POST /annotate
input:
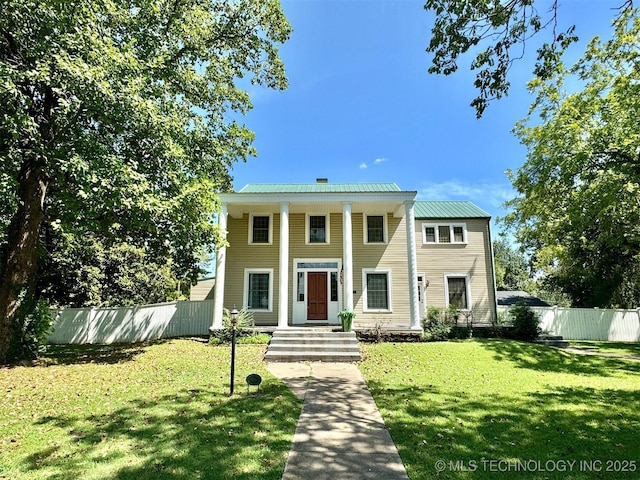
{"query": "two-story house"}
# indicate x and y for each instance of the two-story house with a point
(297, 254)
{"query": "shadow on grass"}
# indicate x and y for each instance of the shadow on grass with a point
(197, 433)
(101, 354)
(471, 434)
(538, 357)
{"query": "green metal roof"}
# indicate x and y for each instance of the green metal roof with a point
(448, 209)
(319, 188)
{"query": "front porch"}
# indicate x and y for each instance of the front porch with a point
(312, 344)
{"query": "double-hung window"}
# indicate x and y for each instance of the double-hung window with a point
(317, 230)
(375, 231)
(377, 286)
(457, 291)
(260, 228)
(258, 289)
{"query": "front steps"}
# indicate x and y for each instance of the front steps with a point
(303, 344)
(552, 341)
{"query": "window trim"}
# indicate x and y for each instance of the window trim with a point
(307, 229)
(250, 233)
(245, 293)
(365, 306)
(451, 226)
(467, 284)
(365, 229)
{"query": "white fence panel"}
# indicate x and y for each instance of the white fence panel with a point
(132, 324)
(589, 323)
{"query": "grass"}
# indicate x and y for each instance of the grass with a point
(159, 411)
(473, 404)
(622, 348)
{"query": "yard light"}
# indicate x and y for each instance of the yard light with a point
(234, 324)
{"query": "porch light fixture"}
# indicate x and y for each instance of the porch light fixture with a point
(234, 324)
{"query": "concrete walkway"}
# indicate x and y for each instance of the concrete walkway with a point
(340, 433)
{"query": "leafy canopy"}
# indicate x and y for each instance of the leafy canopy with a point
(497, 33)
(578, 204)
(117, 129)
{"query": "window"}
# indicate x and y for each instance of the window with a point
(260, 229)
(375, 229)
(317, 229)
(457, 287)
(258, 290)
(301, 286)
(444, 233)
(334, 286)
(377, 286)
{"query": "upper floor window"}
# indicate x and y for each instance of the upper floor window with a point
(375, 231)
(317, 229)
(444, 233)
(260, 229)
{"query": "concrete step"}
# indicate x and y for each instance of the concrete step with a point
(552, 341)
(312, 356)
(297, 345)
(300, 347)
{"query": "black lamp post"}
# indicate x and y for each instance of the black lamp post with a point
(234, 324)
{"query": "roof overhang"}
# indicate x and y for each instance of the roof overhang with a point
(391, 202)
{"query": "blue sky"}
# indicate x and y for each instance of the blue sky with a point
(361, 106)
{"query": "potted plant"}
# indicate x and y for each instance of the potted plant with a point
(346, 317)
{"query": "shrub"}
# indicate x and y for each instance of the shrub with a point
(256, 339)
(526, 323)
(244, 327)
(438, 323)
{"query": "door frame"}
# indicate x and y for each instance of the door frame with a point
(303, 266)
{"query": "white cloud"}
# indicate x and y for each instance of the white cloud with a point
(363, 166)
(482, 193)
(379, 160)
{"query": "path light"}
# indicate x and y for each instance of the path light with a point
(234, 324)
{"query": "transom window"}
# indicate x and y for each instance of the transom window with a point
(377, 285)
(444, 233)
(317, 229)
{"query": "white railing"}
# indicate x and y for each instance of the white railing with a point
(132, 324)
(589, 323)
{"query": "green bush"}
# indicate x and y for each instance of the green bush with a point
(525, 323)
(31, 328)
(256, 339)
(438, 323)
(245, 332)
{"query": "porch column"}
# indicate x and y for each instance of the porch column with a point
(221, 261)
(413, 265)
(347, 248)
(283, 289)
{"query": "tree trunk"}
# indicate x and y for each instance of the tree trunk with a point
(21, 259)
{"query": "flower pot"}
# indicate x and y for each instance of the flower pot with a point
(346, 323)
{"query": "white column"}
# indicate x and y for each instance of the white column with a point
(413, 266)
(347, 248)
(221, 261)
(283, 289)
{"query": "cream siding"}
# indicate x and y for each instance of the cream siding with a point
(473, 259)
(392, 255)
(242, 255)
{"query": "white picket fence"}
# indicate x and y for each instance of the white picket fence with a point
(132, 324)
(589, 323)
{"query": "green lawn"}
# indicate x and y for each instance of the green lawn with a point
(159, 411)
(496, 406)
(622, 348)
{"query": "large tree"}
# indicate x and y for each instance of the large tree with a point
(511, 269)
(498, 33)
(578, 204)
(117, 123)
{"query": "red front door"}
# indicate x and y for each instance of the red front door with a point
(317, 296)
